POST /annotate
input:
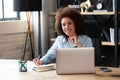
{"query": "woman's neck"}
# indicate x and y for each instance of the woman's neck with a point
(71, 36)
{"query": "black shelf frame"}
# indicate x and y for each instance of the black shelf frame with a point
(116, 54)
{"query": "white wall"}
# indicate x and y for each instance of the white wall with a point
(7, 27)
(15, 26)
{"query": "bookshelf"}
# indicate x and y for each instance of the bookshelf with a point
(115, 14)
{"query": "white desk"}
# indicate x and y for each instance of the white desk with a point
(9, 71)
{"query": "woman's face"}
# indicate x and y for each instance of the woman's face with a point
(68, 26)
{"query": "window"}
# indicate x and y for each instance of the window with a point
(6, 10)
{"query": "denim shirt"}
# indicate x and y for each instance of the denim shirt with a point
(62, 42)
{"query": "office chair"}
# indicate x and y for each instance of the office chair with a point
(92, 30)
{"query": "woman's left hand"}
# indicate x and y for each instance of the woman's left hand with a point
(75, 40)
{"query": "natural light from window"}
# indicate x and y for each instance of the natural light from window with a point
(1, 9)
(8, 9)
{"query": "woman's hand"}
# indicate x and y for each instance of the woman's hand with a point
(75, 40)
(37, 62)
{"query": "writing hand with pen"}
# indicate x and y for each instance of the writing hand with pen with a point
(37, 61)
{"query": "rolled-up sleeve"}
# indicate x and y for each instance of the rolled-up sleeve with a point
(51, 53)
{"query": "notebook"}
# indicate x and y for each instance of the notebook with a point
(45, 67)
(75, 60)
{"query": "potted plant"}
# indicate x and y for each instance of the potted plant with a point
(53, 28)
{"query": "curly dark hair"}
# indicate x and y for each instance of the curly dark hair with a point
(72, 14)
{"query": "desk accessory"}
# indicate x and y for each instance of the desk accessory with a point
(106, 69)
(99, 4)
(22, 66)
(85, 6)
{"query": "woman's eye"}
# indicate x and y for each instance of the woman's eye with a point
(69, 23)
(63, 24)
(66, 24)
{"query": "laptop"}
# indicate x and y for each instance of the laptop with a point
(75, 60)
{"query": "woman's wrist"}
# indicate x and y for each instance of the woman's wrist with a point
(78, 44)
(40, 61)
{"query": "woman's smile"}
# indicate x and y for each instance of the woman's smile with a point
(68, 26)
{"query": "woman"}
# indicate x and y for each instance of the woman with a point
(70, 27)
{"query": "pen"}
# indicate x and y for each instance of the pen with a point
(35, 69)
(39, 56)
(37, 60)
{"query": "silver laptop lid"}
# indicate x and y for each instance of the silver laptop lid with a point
(75, 60)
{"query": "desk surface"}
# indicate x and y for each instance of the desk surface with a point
(9, 71)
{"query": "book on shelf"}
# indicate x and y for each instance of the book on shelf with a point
(112, 34)
(100, 11)
(74, 6)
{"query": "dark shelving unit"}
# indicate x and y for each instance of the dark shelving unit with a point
(114, 13)
(116, 54)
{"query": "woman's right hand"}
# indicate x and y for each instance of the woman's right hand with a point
(37, 61)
